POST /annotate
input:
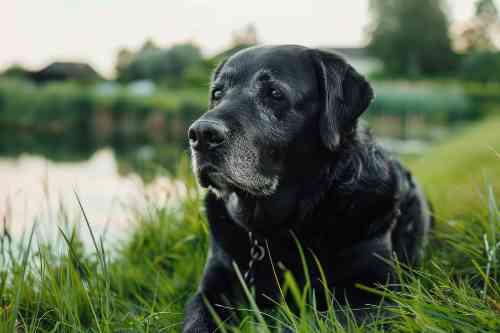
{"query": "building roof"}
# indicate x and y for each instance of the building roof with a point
(62, 71)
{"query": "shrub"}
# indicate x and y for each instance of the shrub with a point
(481, 67)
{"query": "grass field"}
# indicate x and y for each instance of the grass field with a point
(143, 285)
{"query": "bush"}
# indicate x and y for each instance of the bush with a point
(481, 67)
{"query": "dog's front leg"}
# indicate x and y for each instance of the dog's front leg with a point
(218, 289)
(197, 316)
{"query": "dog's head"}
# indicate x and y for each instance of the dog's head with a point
(273, 110)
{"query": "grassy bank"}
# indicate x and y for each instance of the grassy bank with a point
(143, 286)
(456, 173)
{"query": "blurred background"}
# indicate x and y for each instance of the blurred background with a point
(95, 97)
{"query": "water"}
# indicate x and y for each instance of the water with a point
(37, 190)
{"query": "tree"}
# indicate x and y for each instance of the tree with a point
(170, 65)
(245, 36)
(149, 44)
(123, 60)
(477, 35)
(476, 40)
(17, 71)
(411, 37)
(177, 60)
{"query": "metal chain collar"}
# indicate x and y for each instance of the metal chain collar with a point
(257, 253)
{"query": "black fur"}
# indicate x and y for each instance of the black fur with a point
(294, 165)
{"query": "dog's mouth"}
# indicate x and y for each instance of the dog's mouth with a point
(210, 176)
(214, 178)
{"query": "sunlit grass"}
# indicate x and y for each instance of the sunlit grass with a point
(143, 285)
(455, 173)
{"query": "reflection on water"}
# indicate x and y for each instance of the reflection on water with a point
(36, 189)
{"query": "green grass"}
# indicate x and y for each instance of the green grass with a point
(143, 285)
(455, 174)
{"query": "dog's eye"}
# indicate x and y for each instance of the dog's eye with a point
(276, 94)
(216, 94)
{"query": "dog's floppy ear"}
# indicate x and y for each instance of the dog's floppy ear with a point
(346, 95)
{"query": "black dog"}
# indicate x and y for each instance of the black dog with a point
(285, 162)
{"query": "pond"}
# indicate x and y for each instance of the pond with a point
(38, 191)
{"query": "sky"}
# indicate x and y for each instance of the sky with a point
(37, 32)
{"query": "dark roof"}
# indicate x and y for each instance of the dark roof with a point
(62, 71)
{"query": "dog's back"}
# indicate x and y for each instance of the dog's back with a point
(411, 230)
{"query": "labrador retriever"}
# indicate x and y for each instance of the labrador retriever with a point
(288, 167)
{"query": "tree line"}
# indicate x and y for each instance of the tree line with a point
(413, 38)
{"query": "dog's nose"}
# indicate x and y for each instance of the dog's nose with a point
(206, 134)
